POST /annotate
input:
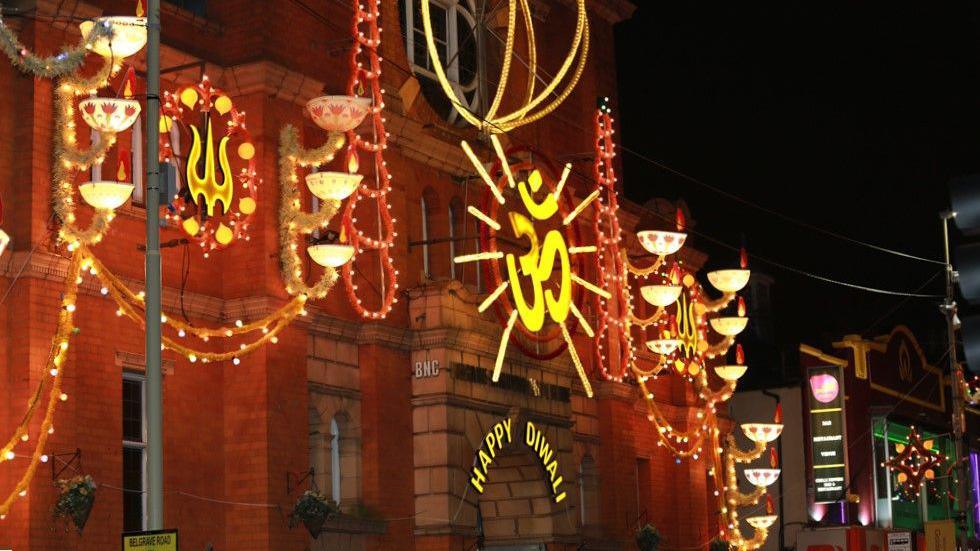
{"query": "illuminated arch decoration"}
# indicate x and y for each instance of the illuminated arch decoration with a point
(365, 67)
(554, 259)
(220, 183)
(533, 107)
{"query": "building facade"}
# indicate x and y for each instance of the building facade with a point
(386, 417)
(861, 401)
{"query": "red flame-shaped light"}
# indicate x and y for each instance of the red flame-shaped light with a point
(739, 355)
(130, 83)
(778, 418)
(741, 307)
(352, 163)
(773, 458)
(743, 258)
(675, 275)
(679, 219)
(770, 509)
(140, 9)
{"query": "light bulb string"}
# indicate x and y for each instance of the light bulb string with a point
(55, 365)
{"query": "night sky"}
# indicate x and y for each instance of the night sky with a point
(846, 116)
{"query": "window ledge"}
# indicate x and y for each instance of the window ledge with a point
(347, 524)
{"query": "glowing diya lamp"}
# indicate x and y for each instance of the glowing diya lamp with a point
(660, 295)
(338, 113)
(128, 36)
(732, 280)
(663, 243)
(762, 477)
(730, 326)
(762, 432)
(731, 373)
(105, 195)
(335, 186)
(109, 115)
(331, 255)
(761, 522)
(664, 347)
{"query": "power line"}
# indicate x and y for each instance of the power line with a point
(729, 195)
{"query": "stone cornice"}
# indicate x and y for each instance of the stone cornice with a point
(494, 408)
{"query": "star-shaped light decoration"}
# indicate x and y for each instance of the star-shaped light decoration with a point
(915, 461)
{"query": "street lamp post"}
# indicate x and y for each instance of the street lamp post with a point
(154, 377)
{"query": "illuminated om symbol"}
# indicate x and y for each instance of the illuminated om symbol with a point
(687, 330)
(539, 263)
(208, 185)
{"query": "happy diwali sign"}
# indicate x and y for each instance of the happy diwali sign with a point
(500, 435)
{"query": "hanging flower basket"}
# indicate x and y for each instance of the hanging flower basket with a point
(648, 538)
(76, 500)
(312, 510)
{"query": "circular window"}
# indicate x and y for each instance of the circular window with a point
(458, 40)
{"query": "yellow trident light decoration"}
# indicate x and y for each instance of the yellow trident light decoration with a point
(548, 262)
(194, 208)
(208, 185)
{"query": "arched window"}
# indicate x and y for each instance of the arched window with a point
(425, 237)
(459, 42)
(455, 223)
(335, 461)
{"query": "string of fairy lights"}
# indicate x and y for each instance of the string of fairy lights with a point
(684, 311)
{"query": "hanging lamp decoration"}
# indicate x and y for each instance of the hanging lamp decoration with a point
(916, 461)
(365, 68)
(551, 270)
(534, 106)
(216, 159)
(731, 498)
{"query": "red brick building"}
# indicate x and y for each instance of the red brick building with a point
(388, 435)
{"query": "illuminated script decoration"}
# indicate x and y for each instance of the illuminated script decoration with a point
(217, 183)
(537, 296)
(500, 435)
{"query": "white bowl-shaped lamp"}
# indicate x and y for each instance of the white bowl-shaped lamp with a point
(729, 326)
(105, 195)
(762, 522)
(729, 281)
(761, 477)
(661, 243)
(128, 36)
(762, 432)
(731, 373)
(330, 255)
(660, 295)
(664, 347)
(333, 185)
(110, 115)
(338, 113)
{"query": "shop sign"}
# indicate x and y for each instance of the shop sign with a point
(500, 435)
(899, 541)
(426, 368)
(154, 540)
(827, 444)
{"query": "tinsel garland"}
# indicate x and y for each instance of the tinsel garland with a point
(68, 61)
(55, 366)
(293, 222)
